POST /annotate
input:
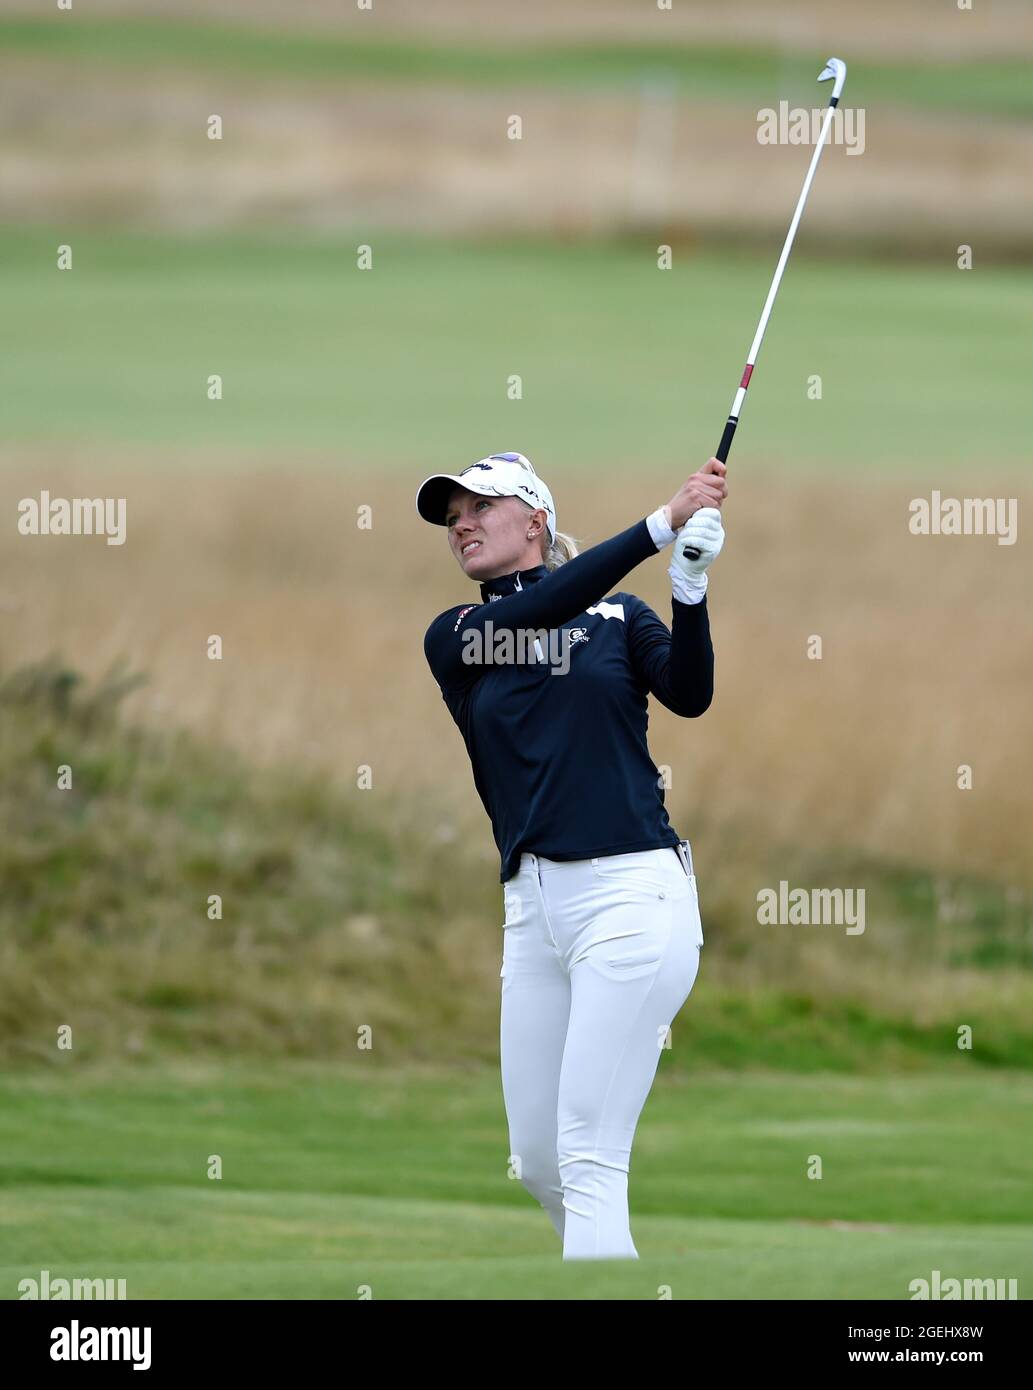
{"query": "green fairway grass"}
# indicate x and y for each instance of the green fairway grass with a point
(408, 364)
(750, 73)
(341, 1175)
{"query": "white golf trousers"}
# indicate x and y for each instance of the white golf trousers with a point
(598, 957)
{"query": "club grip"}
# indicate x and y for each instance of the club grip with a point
(723, 448)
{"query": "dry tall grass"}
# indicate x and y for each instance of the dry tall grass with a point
(896, 28)
(927, 662)
(127, 150)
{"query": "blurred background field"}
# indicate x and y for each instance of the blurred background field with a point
(343, 389)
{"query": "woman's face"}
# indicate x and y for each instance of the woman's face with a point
(488, 535)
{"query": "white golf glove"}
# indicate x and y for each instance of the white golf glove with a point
(702, 532)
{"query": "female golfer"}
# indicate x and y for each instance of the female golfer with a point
(548, 679)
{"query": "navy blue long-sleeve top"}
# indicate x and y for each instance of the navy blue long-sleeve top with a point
(560, 758)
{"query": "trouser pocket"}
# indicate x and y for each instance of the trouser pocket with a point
(684, 851)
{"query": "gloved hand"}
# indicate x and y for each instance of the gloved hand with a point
(704, 533)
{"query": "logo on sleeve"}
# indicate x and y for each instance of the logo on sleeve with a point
(607, 610)
(462, 614)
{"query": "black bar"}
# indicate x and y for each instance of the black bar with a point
(193, 1343)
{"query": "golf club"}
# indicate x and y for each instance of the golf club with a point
(835, 69)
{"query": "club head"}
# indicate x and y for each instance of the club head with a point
(834, 70)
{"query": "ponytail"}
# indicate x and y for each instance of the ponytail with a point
(557, 552)
(562, 549)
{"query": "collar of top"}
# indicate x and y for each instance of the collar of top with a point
(511, 583)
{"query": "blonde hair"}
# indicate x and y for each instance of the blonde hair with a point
(559, 551)
(564, 547)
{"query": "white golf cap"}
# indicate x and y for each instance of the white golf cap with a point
(498, 475)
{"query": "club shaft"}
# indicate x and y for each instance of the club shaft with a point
(733, 415)
(724, 448)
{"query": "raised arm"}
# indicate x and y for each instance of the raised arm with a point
(676, 665)
(574, 585)
(554, 600)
